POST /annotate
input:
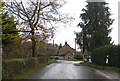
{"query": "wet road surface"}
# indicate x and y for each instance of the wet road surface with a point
(67, 70)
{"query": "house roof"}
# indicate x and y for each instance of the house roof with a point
(65, 49)
(66, 53)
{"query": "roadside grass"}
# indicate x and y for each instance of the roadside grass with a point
(101, 67)
(73, 60)
(19, 59)
(30, 71)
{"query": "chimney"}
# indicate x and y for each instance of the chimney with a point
(65, 43)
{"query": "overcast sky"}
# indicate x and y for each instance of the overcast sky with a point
(73, 8)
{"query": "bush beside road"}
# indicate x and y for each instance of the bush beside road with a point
(101, 67)
(25, 74)
(110, 52)
(18, 68)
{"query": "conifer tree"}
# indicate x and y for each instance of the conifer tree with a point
(8, 23)
(95, 26)
(8, 29)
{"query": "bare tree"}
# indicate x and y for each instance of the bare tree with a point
(37, 16)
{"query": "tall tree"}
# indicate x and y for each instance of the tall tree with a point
(8, 27)
(95, 26)
(37, 16)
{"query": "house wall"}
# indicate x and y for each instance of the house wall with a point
(66, 49)
(61, 58)
(67, 56)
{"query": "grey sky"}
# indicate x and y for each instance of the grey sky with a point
(73, 8)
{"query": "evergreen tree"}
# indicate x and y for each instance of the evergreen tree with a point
(8, 24)
(60, 46)
(95, 26)
(8, 29)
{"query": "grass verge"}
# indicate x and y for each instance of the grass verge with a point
(101, 67)
(72, 60)
(30, 71)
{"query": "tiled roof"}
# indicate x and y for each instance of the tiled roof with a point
(65, 49)
(65, 53)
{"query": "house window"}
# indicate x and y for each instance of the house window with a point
(68, 57)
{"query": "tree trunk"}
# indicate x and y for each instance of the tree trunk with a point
(33, 43)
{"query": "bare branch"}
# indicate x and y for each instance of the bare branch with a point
(24, 10)
(34, 12)
(13, 11)
(21, 31)
(38, 14)
(45, 6)
(21, 11)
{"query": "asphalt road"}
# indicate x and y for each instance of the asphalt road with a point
(67, 70)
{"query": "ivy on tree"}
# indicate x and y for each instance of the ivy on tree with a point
(95, 26)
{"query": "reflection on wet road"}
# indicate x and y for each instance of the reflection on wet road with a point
(66, 70)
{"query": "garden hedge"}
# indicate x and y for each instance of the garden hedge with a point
(78, 57)
(11, 68)
(99, 55)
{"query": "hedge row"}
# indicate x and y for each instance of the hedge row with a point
(11, 68)
(78, 56)
(99, 55)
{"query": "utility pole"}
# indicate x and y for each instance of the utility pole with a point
(53, 46)
(75, 46)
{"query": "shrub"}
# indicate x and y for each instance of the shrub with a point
(50, 57)
(78, 56)
(11, 68)
(99, 55)
(42, 59)
(118, 55)
(40, 55)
